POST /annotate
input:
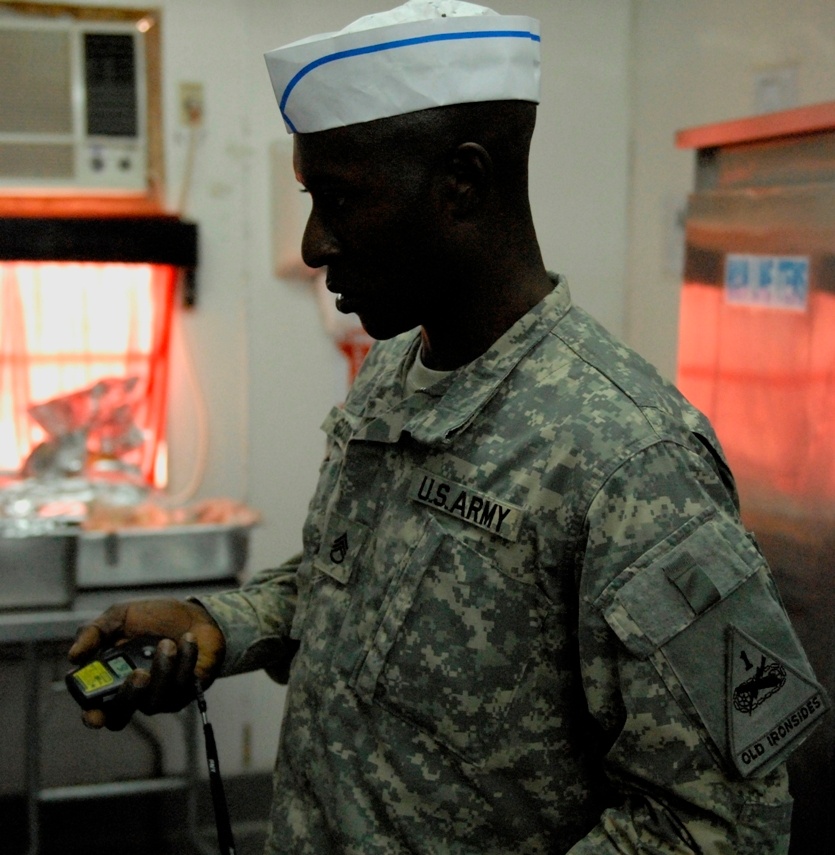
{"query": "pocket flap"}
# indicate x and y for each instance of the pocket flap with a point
(680, 578)
(339, 426)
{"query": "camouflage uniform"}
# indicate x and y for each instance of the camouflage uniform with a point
(513, 616)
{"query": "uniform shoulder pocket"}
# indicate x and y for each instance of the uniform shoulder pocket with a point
(702, 607)
(677, 580)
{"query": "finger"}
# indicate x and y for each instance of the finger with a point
(93, 719)
(87, 641)
(101, 632)
(186, 662)
(162, 679)
(127, 700)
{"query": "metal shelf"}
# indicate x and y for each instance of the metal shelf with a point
(78, 792)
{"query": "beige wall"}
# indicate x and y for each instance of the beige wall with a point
(695, 62)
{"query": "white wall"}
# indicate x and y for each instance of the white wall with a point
(694, 62)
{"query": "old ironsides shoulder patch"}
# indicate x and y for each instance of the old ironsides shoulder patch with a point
(468, 505)
(770, 705)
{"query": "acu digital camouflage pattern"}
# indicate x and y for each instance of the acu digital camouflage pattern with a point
(465, 685)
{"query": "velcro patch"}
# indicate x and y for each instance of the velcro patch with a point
(770, 705)
(468, 505)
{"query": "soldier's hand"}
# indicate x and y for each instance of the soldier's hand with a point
(191, 646)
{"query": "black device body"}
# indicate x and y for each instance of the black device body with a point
(97, 681)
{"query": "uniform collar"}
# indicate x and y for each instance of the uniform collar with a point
(436, 415)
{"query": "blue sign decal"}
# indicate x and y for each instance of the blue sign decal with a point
(776, 281)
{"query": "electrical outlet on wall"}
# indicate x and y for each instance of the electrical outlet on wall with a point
(191, 104)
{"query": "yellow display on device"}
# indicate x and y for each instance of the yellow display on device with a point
(96, 682)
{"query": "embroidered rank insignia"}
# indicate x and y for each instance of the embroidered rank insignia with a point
(342, 543)
(770, 704)
(339, 548)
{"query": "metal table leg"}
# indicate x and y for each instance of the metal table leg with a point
(33, 746)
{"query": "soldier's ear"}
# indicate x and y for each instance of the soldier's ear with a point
(469, 179)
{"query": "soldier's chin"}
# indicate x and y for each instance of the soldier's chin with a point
(381, 327)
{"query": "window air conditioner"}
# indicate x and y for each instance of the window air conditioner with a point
(73, 107)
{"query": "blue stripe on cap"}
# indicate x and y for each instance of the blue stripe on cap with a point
(399, 43)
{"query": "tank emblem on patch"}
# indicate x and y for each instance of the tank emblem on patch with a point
(766, 681)
(770, 704)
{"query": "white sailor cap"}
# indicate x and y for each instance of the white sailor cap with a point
(423, 54)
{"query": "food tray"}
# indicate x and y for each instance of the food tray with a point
(187, 553)
(37, 571)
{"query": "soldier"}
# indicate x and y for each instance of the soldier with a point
(527, 617)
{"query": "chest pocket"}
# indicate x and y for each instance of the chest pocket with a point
(451, 645)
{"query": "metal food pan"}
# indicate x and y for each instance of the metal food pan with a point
(37, 571)
(188, 553)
